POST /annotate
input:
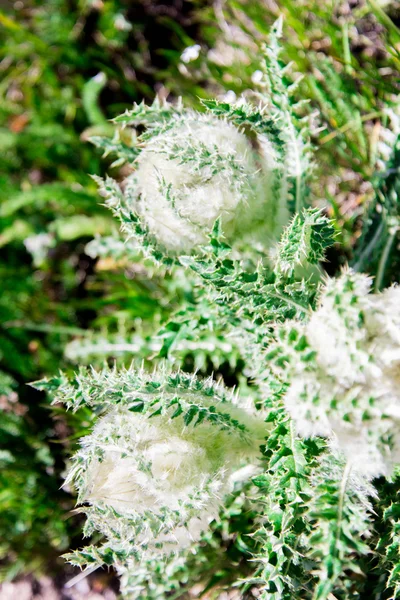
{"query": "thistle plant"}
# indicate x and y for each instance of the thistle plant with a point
(246, 165)
(196, 170)
(161, 458)
(220, 200)
(343, 366)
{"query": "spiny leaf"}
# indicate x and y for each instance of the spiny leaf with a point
(125, 153)
(303, 242)
(142, 114)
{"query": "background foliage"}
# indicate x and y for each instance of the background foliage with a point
(68, 67)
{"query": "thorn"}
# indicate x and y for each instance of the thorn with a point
(278, 26)
(81, 576)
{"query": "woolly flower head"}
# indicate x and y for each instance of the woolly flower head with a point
(155, 470)
(198, 169)
(344, 372)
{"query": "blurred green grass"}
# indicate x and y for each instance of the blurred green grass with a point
(66, 68)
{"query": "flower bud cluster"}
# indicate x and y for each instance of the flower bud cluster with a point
(344, 372)
(198, 169)
(160, 478)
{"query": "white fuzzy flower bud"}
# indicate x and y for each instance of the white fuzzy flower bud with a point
(156, 482)
(344, 367)
(199, 169)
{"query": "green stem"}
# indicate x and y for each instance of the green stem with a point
(296, 484)
(365, 254)
(298, 168)
(330, 581)
(384, 259)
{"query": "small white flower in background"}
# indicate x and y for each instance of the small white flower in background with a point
(100, 78)
(257, 77)
(199, 169)
(190, 53)
(38, 246)
(121, 23)
(344, 367)
(162, 481)
(229, 97)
